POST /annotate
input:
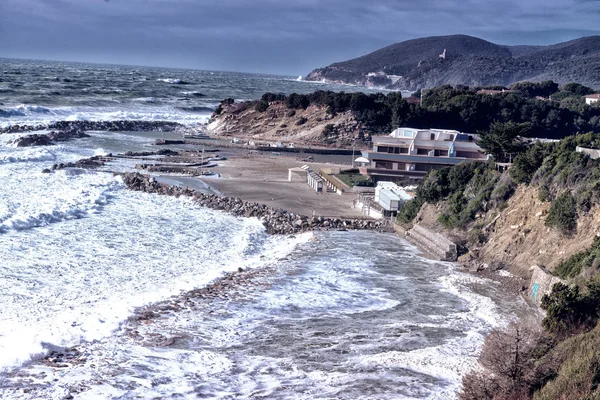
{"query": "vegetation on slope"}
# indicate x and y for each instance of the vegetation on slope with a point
(447, 107)
(558, 360)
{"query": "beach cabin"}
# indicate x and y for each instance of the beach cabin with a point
(297, 174)
(316, 182)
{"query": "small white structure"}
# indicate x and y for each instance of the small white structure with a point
(297, 174)
(592, 98)
(593, 153)
(362, 161)
(390, 196)
(316, 182)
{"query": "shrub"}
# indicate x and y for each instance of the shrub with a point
(567, 311)
(301, 121)
(328, 130)
(578, 376)
(291, 113)
(295, 100)
(476, 236)
(543, 193)
(503, 190)
(409, 211)
(261, 106)
(577, 262)
(563, 214)
(269, 97)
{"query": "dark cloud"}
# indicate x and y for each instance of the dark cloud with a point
(288, 37)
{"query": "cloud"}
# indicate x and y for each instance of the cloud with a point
(291, 36)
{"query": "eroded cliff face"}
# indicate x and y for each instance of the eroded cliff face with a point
(280, 123)
(517, 237)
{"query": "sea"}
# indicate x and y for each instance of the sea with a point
(325, 315)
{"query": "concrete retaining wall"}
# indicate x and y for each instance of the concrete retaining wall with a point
(541, 283)
(433, 243)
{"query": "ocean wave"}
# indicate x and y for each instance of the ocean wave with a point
(127, 271)
(198, 109)
(78, 197)
(137, 111)
(195, 94)
(173, 81)
(28, 155)
(23, 110)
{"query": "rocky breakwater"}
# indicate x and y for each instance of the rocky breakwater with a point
(49, 138)
(275, 221)
(104, 126)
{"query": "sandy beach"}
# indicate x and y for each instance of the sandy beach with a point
(263, 178)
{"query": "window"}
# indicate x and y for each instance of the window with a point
(432, 136)
(384, 164)
(422, 152)
(468, 154)
(382, 149)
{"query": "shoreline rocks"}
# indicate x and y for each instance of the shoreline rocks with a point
(107, 126)
(49, 138)
(276, 222)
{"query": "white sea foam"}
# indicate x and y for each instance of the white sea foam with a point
(143, 112)
(26, 155)
(169, 80)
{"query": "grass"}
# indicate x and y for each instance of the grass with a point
(354, 179)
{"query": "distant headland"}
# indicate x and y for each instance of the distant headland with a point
(466, 60)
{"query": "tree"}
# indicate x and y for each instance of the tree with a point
(577, 89)
(508, 355)
(527, 163)
(502, 141)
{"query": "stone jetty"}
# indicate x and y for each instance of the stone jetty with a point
(278, 222)
(105, 126)
(49, 138)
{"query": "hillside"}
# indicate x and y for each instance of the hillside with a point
(416, 63)
(280, 123)
(543, 212)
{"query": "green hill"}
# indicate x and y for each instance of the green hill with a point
(416, 63)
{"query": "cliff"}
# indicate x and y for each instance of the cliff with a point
(417, 63)
(517, 237)
(281, 123)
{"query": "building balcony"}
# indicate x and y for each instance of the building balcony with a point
(391, 172)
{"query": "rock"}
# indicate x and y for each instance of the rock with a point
(33, 140)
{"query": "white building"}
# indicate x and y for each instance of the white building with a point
(592, 98)
(410, 153)
(390, 196)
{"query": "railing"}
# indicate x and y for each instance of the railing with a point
(340, 186)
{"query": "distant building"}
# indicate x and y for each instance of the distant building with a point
(443, 55)
(409, 153)
(489, 91)
(390, 196)
(593, 153)
(385, 201)
(592, 98)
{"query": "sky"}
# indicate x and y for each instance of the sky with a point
(286, 37)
